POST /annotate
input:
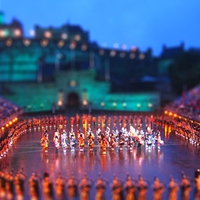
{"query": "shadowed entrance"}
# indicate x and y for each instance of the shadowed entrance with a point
(73, 100)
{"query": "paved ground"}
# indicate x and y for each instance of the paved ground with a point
(174, 157)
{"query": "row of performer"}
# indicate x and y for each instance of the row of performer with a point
(184, 128)
(12, 186)
(56, 120)
(103, 138)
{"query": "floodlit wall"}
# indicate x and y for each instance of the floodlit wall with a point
(41, 96)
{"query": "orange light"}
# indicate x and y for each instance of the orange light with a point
(13, 120)
(175, 115)
(2, 128)
(170, 113)
(16, 119)
(7, 125)
(166, 111)
(10, 122)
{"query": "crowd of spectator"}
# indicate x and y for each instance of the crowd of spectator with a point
(188, 104)
(8, 111)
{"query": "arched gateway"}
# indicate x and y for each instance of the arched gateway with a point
(73, 100)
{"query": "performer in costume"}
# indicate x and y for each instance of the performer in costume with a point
(117, 188)
(158, 189)
(100, 188)
(56, 139)
(130, 188)
(81, 140)
(64, 142)
(172, 190)
(72, 139)
(72, 187)
(45, 142)
(85, 186)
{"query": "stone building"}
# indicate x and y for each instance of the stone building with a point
(62, 66)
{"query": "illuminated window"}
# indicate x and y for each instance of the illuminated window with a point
(64, 36)
(61, 43)
(101, 52)
(112, 53)
(47, 34)
(141, 56)
(122, 55)
(72, 45)
(44, 43)
(26, 42)
(77, 37)
(84, 47)
(132, 56)
(8, 42)
(17, 32)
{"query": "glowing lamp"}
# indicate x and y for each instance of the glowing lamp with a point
(8, 42)
(150, 105)
(132, 56)
(85, 102)
(124, 104)
(61, 43)
(138, 105)
(122, 55)
(77, 37)
(112, 53)
(32, 32)
(101, 52)
(141, 56)
(114, 104)
(102, 104)
(44, 43)
(26, 42)
(116, 45)
(72, 83)
(124, 47)
(84, 47)
(133, 48)
(60, 103)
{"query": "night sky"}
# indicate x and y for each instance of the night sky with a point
(145, 24)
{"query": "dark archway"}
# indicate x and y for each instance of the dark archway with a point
(73, 100)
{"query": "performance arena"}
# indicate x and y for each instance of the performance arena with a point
(101, 155)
